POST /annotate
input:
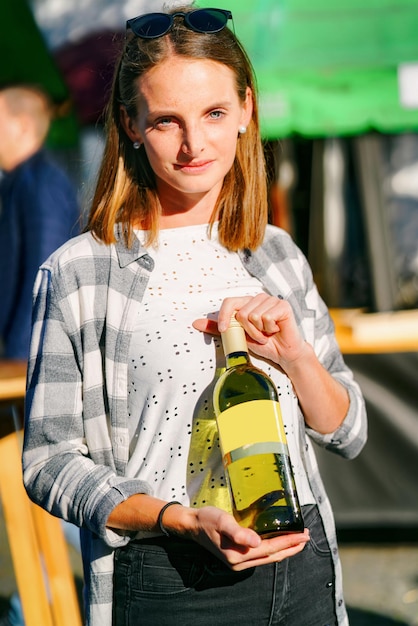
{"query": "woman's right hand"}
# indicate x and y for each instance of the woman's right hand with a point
(239, 548)
(214, 529)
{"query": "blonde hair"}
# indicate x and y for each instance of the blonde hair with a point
(126, 188)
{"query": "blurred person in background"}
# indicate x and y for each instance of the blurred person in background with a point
(39, 209)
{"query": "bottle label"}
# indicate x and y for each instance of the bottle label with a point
(256, 422)
(255, 454)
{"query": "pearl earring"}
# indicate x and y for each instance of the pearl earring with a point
(136, 145)
(242, 130)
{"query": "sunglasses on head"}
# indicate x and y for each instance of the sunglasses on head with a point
(153, 25)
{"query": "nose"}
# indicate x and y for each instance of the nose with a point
(193, 142)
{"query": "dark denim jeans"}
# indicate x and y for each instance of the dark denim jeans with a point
(170, 582)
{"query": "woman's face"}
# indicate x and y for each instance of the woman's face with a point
(188, 118)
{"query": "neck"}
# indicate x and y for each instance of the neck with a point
(185, 218)
(237, 358)
(21, 154)
(186, 209)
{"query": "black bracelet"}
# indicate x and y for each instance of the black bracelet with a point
(160, 517)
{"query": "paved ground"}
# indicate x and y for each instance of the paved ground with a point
(381, 580)
(381, 583)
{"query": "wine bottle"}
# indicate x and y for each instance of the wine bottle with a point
(253, 443)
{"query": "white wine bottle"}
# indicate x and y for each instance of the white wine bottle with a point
(253, 443)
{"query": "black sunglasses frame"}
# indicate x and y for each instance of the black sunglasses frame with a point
(145, 26)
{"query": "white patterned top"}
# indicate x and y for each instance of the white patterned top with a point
(172, 369)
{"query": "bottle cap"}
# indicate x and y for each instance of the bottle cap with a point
(233, 322)
(233, 339)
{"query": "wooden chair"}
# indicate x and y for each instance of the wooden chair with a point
(38, 549)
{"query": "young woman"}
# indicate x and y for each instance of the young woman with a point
(120, 421)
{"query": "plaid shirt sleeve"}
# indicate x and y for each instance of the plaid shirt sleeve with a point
(68, 459)
(285, 272)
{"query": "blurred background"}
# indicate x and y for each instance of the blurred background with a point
(338, 86)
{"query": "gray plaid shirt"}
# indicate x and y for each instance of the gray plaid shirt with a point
(87, 296)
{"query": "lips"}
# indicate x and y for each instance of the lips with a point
(194, 167)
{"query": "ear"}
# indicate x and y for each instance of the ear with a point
(247, 108)
(129, 126)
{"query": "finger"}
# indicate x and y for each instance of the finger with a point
(273, 549)
(276, 557)
(228, 308)
(266, 314)
(265, 322)
(206, 326)
(233, 536)
(260, 316)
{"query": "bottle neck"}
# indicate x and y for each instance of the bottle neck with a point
(237, 358)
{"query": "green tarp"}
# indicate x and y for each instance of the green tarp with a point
(25, 58)
(324, 67)
(329, 67)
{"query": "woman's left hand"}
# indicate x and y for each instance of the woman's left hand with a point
(270, 325)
